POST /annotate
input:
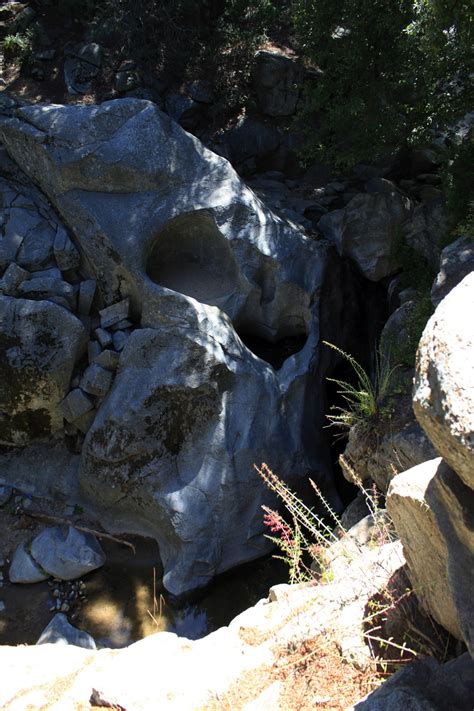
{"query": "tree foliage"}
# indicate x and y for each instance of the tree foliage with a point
(392, 71)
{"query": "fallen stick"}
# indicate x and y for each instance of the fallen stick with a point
(68, 522)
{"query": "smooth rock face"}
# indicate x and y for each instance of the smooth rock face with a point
(444, 382)
(457, 261)
(59, 631)
(366, 230)
(67, 553)
(181, 429)
(426, 229)
(453, 504)
(216, 284)
(409, 505)
(23, 569)
(39, 344)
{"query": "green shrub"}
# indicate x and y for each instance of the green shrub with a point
(18, 45)
(392, 71)
(366, 401)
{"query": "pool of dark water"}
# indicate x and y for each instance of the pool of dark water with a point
(125, 600)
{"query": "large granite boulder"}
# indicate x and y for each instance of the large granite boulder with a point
(367, 231)
(219, 339)
(432, 509)
(277, 80)
(426, 229)
(457, 261)
(410, 508)
(444, 382)
(40, 343)
(67, 553)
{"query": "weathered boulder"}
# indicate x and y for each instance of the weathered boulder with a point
(39, 344)
(457, 261)
(82, 64)
(426, 229)
(175, 442)
(425, 685)
(367, 230)
(398, 444)
(224, 298)
(59, 631)
(444, 382)
(432, 509)
(23, 569)
(28, 228)
(67, 553)
(184, 110)
(276, 80)
(410, 507)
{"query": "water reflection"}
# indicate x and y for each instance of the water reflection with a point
(126, 601)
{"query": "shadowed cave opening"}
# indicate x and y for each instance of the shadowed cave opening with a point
(274, 353)
(190, 256)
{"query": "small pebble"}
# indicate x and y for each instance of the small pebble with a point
(64, 607)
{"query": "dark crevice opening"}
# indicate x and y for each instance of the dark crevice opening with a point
(273, 353)
(338, 436)
(352, 318)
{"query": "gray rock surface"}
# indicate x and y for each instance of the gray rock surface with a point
(39, 344)
(23, 569)
(457, 261)
(250, 138)
(28, 227)
(67, 553)
(96, 380)
(5, 494)
(426, 229)
(208, 270)
(425, 685)
(107, 359)
(75, 405)
(81, 66)
(400, 444)
(366, 231)
(12, 278)
(115, 313)
(453, 504)
(276, 81)
(444, 381)
(411, 508)
(65, 253)
(183, 109)
(60, 631)
(86, 295)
